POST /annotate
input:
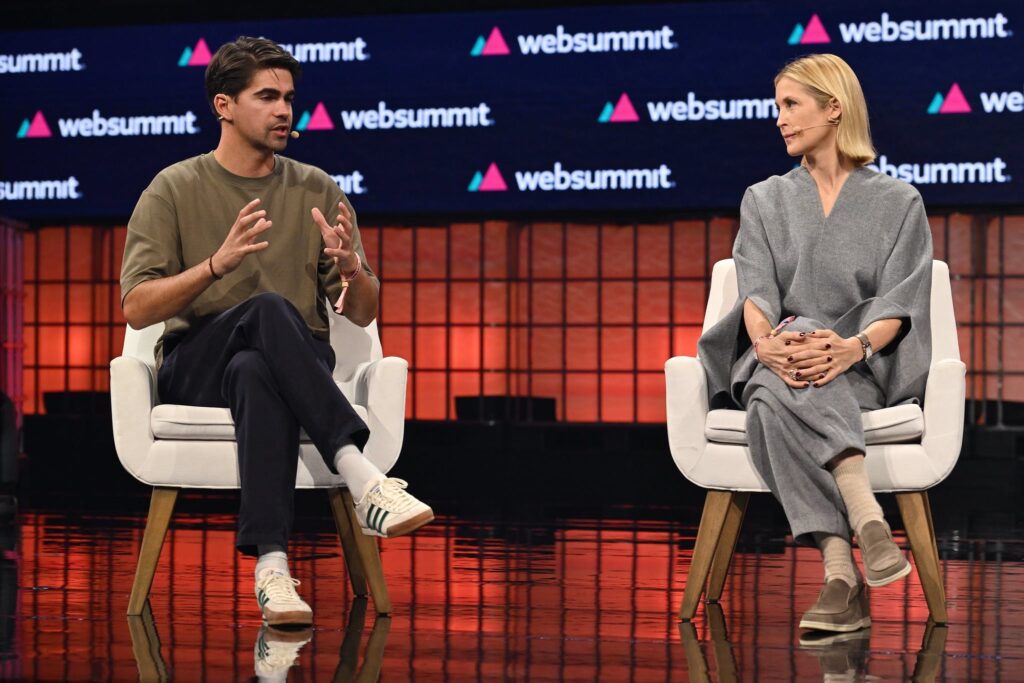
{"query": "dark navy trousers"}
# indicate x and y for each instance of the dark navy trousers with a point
(260, 360)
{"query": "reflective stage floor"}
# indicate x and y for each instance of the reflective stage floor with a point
(568, 598)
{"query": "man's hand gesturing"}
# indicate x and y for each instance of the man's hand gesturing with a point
(241, 239)
(338, 238)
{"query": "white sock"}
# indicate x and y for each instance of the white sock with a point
(274, 560)
(855, 488)
(838, 558)
(360, 474)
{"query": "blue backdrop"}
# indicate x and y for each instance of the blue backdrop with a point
(662, 107)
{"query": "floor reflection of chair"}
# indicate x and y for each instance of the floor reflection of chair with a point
(926, 667)
(146, 647)
(348, 665)
(929, 657)
(725, 662)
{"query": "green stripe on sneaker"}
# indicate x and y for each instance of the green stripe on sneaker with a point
(380, 522)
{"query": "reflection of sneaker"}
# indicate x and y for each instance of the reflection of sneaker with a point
(839, 608)
(276, 651)
(281, 605)
(884, 562)
(387, 510)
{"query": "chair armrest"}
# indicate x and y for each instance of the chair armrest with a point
(380, 387)
(944, 415)
(686, 410)
(132, 396)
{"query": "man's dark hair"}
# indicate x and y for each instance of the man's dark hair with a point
(233, 66)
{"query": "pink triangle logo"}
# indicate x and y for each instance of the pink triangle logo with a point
(955, 102)
(200, 54)
(492, 181)
(624, 111)
(39, 128)
(320, 120)
(495, 44)
(815, 32)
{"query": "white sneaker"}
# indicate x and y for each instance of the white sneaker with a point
(281, 605)
(387, 510)
(276, 651)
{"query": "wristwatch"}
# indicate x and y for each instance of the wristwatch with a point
(865, 345)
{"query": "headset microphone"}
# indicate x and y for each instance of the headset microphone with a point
(294, 134)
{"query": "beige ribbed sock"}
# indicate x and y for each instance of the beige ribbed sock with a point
(855, 488)
(836, 553)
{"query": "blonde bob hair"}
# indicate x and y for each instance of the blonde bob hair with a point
(826, 77)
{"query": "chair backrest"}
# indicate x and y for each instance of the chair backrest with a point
(945, 343)
(352, 344)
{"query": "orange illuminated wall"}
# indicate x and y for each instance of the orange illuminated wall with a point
(586, 314)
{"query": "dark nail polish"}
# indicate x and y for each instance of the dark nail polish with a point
(828, 346)
(821, 376)
(829, 359)
(790, 359)
(787, 342)
(815, 384)
(808, 384)
(797, 375)
(803, 334)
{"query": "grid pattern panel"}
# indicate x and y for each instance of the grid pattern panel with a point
(585, 314)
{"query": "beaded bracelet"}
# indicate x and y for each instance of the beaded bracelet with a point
(345, 280)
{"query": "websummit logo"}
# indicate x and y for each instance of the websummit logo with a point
(490, 181)
(622, 112)
(38, 128)
(318, 120)
(953, 103)
(195, 56)
(813, 34)
(494, 46)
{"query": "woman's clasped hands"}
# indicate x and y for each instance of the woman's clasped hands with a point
(806, 359)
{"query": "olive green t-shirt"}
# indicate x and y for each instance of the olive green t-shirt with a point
(186, 212)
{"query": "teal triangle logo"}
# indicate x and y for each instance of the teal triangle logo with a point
(478, 47)
(23, 130)
(303, 121)
(796, 35)
(185, 56)
(474, 184)
(936, 104)
(606, 113)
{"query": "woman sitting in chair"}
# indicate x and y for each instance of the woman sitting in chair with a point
(834, 268)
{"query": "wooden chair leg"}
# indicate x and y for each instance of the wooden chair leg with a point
(716, 508)
(161, 506)
(353, 561)
(727, 544)
(366, 547)
(917, 520)
(931, 655)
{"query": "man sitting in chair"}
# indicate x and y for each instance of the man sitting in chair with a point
(232, 250)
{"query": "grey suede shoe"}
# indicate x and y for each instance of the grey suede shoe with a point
(839, 608)
(884, 562)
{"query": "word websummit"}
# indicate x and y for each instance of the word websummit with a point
(100, 126)
(427, 117)
(561, 42)
(21, 190)
(558, 179)
(41, 62)
(888, 31)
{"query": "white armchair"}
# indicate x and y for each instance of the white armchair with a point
(909, 449)
(171, 447)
